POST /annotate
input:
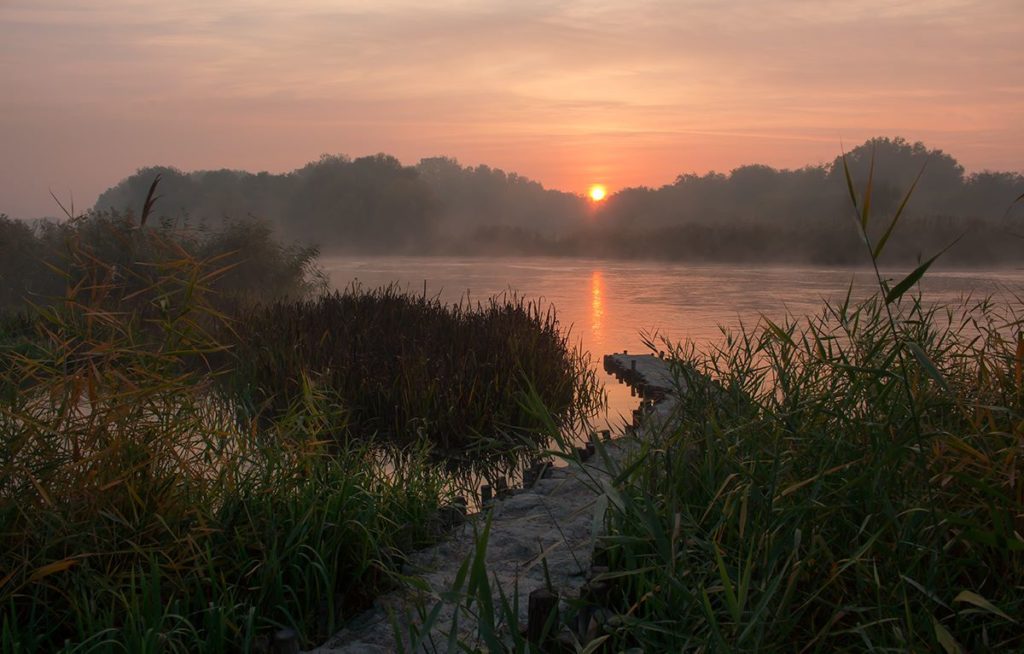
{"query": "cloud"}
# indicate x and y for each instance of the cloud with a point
(253, 82)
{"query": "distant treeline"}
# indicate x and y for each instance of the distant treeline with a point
(43, 264)
(754, 213)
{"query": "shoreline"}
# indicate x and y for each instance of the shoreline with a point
(545, 532)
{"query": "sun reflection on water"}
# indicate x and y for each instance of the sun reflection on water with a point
(597, 308)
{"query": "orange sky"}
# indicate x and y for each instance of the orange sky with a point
(614, 91)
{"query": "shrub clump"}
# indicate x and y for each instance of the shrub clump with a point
(843, 483)
(407, 367)
(138, 514)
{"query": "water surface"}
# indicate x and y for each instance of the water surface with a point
(608, 305)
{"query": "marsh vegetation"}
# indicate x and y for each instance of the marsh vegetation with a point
(184, 470)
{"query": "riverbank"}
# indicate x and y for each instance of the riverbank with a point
(183, 470)
(540, 537)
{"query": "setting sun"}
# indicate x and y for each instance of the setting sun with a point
(597, 192)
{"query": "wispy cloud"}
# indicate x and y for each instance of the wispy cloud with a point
(638, 90)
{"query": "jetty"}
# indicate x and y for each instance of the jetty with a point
(542, 536)
(655, 380)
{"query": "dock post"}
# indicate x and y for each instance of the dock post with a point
(542, 612)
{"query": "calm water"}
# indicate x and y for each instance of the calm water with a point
(608, 304)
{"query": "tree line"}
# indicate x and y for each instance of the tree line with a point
(376, 204)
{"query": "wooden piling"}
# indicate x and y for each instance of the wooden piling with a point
(542, 617)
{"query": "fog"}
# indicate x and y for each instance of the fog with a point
(753, 213)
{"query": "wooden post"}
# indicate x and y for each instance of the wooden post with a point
(542, 612)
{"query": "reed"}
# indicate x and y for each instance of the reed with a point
(858, 485)
(408, 367)
(135, 516)
(142, 508)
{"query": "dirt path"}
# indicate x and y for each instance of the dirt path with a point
(555, 522)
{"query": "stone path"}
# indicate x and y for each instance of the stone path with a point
(553, 522)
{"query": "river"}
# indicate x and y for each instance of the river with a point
(607, 305)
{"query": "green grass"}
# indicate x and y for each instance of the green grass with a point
(851, 480)
(408, 368)
(142, 511)
(815, 504)
(138, 515)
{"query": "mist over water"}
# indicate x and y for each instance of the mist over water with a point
(608, 305)
(754, 214)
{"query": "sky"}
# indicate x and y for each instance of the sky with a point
(620, 92)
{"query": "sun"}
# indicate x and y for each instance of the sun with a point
(597, 192)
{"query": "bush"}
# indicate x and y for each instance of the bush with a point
(853, 481)
(41, 265)
(137, 514)
(816, 503)
(408, 368)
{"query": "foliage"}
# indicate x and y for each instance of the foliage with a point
(408, 368)
(802, 497)
(42, 265)
(141, 510)
(137, 515)
(754, 213)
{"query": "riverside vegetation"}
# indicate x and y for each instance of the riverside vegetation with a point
(849, 481)
(176, 475)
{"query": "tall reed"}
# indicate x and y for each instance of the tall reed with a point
(408, 367)
(138, 514)
(857, 485)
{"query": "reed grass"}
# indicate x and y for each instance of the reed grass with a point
(408, 367)
(857, 485)
(814, 506)
(136, 513)
(141, 510)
